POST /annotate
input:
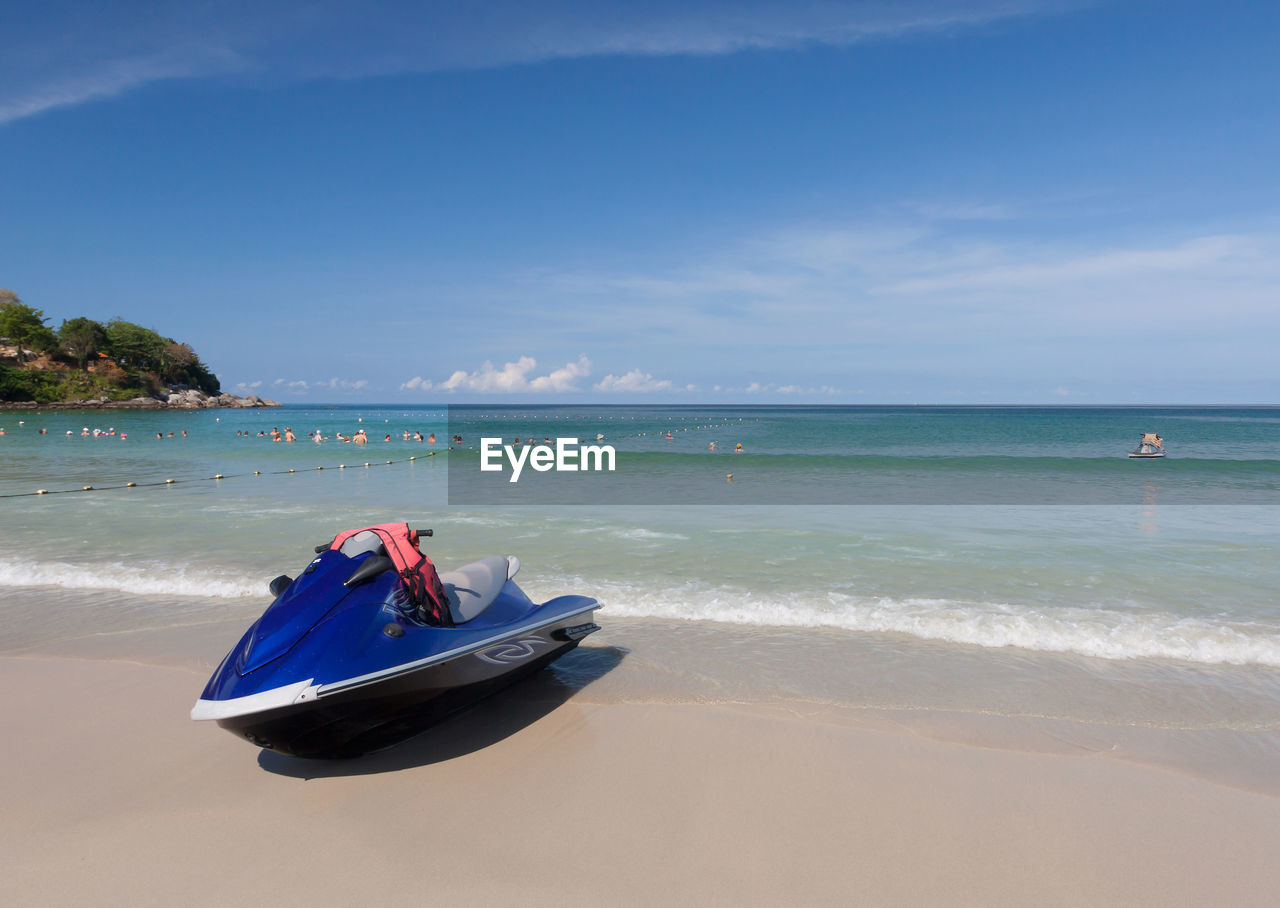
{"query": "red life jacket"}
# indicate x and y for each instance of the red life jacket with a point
(416, 571)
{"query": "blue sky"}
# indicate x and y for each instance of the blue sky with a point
(963, 202)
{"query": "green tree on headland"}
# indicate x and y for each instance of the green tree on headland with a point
(134, 346)
(81, 338)
(24, 326)
(135, 359)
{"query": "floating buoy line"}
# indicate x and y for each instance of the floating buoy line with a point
(214, 478)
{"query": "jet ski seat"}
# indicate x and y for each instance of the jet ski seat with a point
(364, 541)
(472, 588)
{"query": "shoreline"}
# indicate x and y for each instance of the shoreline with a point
(642, 662)
(218, 402)
(686, 802)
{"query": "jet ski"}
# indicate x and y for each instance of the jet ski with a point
(369, 645)
(1151, 445)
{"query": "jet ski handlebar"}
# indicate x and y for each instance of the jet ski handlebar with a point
(324, 546)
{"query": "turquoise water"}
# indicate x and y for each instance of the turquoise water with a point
(1140, 612)
(885, 455)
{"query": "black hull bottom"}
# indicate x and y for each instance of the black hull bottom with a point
(376, 716)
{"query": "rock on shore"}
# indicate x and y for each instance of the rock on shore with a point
(198, 400)
(177, 400)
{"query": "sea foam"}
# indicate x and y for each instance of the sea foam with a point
(1098, 631)
(141, 579)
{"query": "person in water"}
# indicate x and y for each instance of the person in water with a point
(431, 439)
(288, 434)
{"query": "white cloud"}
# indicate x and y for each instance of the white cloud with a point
(514, 377)
(417, 383)
(755, 387)
(342, 384)
(562, 379)
(635, 380)
(248, 386)
(791, 389)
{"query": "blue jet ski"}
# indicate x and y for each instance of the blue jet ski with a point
(356, 654)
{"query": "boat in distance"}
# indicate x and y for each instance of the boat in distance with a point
(370, 646)
(1151, 445)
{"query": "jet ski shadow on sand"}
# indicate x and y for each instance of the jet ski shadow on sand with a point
(488, 722)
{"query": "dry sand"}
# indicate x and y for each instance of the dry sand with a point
(110, 795)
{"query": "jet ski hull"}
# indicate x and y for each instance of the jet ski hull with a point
(376, 715)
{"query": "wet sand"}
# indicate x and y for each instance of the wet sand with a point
(111, 794)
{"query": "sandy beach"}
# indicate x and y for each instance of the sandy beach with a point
(111, 793)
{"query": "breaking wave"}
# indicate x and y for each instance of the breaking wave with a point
(141, 579)
(1098, 631)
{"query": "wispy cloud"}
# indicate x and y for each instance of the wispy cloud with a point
(302, 385)
(99, 51)
(862, 283)
(1193, 255)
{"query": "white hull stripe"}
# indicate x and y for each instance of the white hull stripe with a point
(254, 703)
(334, 687)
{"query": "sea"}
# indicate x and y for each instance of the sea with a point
(1005, 576)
